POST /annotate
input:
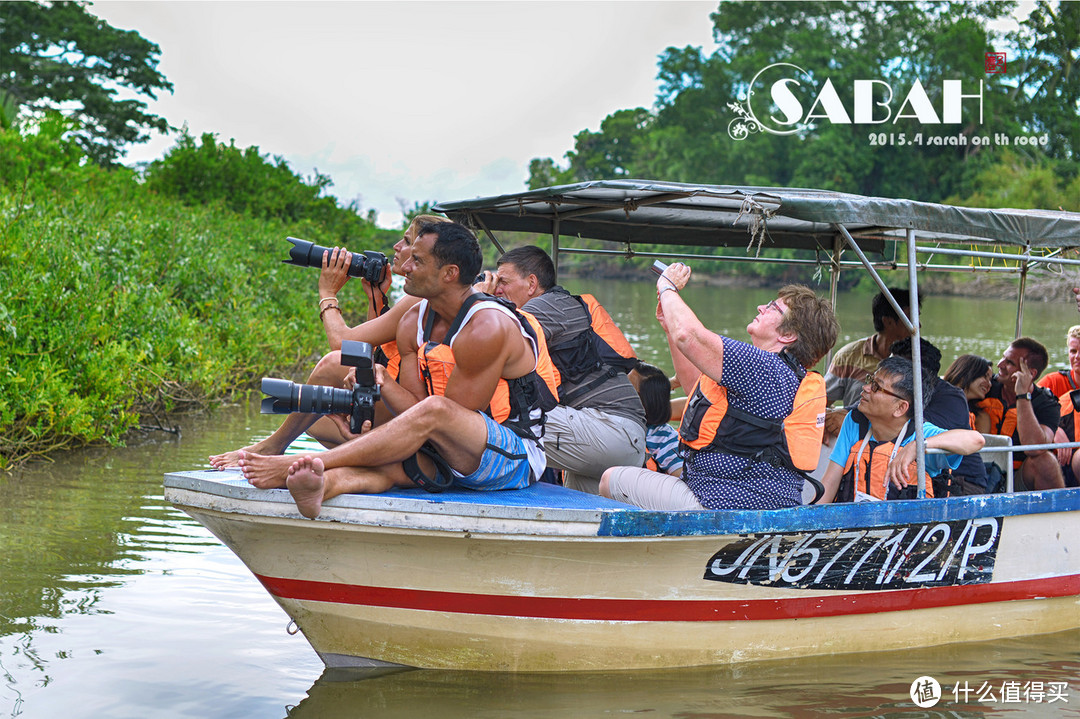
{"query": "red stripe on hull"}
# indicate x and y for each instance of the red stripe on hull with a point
(663, 610)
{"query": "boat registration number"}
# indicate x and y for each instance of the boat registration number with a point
(905, 556)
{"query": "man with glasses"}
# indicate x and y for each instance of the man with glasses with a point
(874, 455)
(948, 409)
(753, 421)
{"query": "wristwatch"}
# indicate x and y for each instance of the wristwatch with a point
(1025, 395)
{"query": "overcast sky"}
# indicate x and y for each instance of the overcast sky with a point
(417, 101)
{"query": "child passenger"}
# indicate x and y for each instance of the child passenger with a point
(661, 439)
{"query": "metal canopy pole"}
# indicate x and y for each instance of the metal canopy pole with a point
(1020, 300)
(476, 219)
(877, 278)
(834, 283)
(555, 245)
(916, 362)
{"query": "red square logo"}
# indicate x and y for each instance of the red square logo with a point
(995, 62)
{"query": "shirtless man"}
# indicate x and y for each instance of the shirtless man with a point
(380, 329)
(446, 383)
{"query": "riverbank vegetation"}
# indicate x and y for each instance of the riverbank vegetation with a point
(126, 296)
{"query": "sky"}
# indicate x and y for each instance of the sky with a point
(404, 102)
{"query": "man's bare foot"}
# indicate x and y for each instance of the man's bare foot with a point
(232, 459)
(227, 459)
(306, 485)
(264, 471)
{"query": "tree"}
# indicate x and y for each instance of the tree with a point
(56, 55)
(1048, 75)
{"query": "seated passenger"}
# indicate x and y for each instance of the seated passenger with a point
(874, 456)
(972, 374)
(475, 384)
(379, 330)
(753, 422)
(1030, 414)
(1068, 457)
(1064, 381)
(661, 439)
(947, 408)
(599, 421)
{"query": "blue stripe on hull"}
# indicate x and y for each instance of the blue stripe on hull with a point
(836, 516)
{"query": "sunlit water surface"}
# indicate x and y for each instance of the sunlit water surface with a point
(114, 604)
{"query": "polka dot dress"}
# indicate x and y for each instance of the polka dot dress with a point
(761, 383)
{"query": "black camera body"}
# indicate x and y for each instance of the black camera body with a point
(286, 397)
(368, 265)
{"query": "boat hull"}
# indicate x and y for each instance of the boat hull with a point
(558, 581)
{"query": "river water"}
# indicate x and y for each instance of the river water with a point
(114, 604)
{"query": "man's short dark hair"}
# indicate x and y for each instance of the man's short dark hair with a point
(531, 260)
(882, 309)
(655, 393)
(904, 384)
(455, 245)
(1037, 358)
(931, 355)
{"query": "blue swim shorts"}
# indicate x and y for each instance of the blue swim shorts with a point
(504, 464)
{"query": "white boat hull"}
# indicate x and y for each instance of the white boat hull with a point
(572, 583)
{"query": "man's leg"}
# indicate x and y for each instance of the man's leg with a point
(1042, 472)
(311, 484)
(585, 442)
(647, 489)
(459, 435)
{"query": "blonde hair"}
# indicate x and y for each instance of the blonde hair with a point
(1074, 331)
(421, 220)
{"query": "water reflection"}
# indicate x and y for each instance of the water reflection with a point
(874, 685)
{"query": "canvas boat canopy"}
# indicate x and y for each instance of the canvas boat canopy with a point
(671, 213)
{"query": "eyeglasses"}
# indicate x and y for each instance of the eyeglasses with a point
(773, 306)
(875, 387)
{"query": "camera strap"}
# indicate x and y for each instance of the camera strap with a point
(444, 475)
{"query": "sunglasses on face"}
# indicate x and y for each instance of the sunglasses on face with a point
(875, 386)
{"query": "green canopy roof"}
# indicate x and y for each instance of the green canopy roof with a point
(646, 211)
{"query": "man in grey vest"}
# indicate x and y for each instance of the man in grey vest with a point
(600, 421)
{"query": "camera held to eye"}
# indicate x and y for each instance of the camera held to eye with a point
(368, 265)
(359, 402)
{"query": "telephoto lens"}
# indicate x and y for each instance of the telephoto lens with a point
(368, 265)
(287, 397)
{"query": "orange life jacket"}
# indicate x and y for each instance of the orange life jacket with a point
(387, 354)
(518, 404)
(1002, 421)
(867, 462)
(794, 442)
(1067, 408)
(602, 350)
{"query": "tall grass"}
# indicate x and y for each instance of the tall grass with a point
(120, 305)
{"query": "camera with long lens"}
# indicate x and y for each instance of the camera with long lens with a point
(368, 265)
(286, 397)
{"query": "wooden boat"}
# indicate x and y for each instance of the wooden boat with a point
(549, 579)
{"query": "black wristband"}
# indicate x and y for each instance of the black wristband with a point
(1025, 395)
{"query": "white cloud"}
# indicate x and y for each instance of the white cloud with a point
(411, 100)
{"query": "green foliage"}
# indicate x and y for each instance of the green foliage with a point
(56, 55)
(1023, 182)
(207, 172)
(118, 303)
